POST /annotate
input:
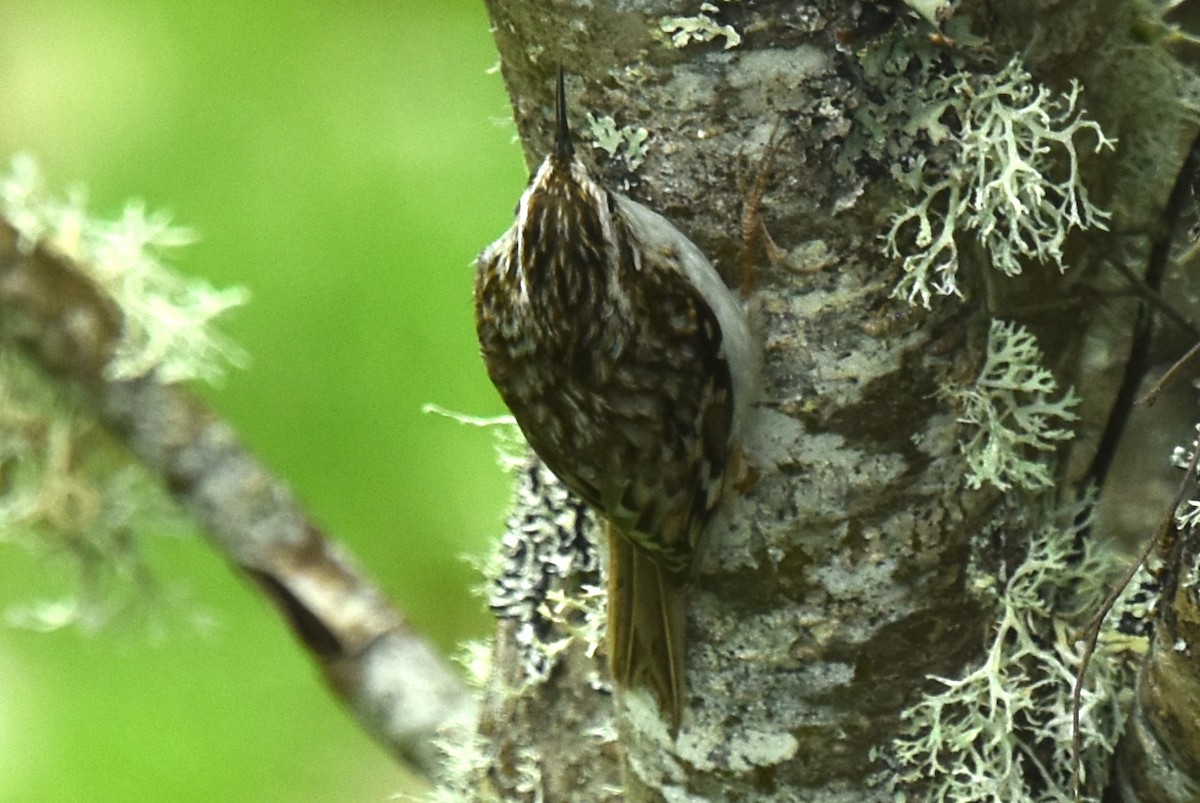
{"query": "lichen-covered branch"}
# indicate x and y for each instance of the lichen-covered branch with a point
(58, 317)
(546, 729)
(1159, 758)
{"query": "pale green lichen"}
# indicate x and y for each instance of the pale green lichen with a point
(738, 749)
(682, 31)
(932, 11)
(543, 583)
(71, 498)
(1002, 731)
(1016, 413)
(167, 320)
(625, 143)
(70, 494)
(1008, 175)
(544, 575)
(1189, 516)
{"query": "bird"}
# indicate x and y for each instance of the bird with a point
(628, 365)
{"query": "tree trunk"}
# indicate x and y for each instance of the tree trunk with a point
(966, 206)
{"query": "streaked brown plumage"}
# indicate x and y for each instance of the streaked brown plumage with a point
(626, 362)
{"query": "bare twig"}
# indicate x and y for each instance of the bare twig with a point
(1169, 377)
(396, 683)
(1154, 298)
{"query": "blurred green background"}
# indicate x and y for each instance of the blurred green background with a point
(345, 161)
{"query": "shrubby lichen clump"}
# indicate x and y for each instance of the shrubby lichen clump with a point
(167, 320)
(1003, 729)
(546, 577)
(1001, 166)
(68, 490)
(994, 157)
(1015, 413)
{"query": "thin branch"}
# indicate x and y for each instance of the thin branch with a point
(1155, 299)
(395, 682)
(1170, 375)
(1165, 530)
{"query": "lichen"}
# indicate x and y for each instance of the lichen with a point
(1002, 166)
(739, 751)
(546, 575)
(1002, 730)
(932, 11)
(71, 498)
(544, 578)
(167, 320)
(1188, 514)
(625, 143)
(1016, 413)
(682, 31)
(70, 494)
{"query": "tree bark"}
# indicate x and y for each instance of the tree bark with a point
(865, 554)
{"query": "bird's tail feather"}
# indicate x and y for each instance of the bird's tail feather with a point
(647, 626)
